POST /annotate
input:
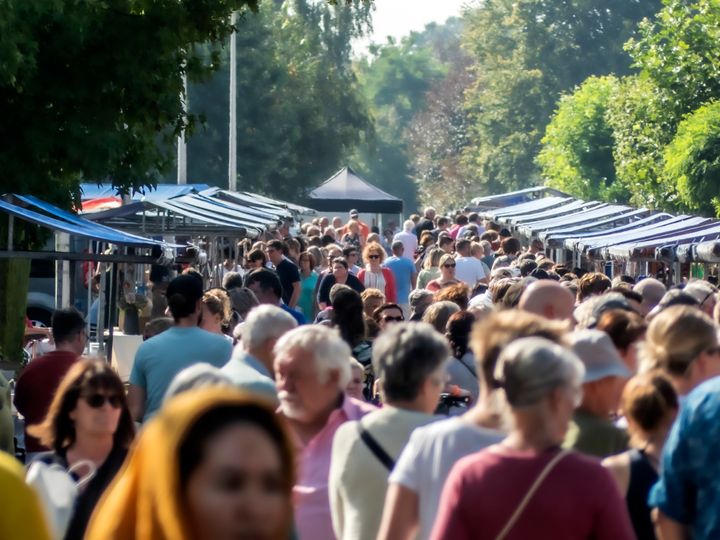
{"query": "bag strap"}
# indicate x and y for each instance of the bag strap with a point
(528, 496)
(85, 479)
(374, 447)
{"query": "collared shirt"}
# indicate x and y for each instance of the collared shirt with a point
(312, 502)
(689, 486)
(249, 373)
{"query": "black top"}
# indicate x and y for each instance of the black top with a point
(329, 280)
(424, 224)
(643, 476)
(86, 501)
(288, 274)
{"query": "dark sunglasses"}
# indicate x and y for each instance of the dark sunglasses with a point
(373, 256)
(449, 265)
(98, 400)
(388, 318)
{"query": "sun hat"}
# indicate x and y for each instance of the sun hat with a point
(598, 354)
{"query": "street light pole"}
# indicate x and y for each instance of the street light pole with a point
(232, 149)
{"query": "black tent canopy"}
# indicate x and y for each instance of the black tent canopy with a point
(345, 190)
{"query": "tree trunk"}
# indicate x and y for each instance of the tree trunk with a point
(14, 282)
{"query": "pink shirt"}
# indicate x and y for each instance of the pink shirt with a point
(312, 502)
(578, 499)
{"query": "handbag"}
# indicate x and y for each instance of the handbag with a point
(58, 490)
(529, 495)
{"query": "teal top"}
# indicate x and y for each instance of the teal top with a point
(307, 300)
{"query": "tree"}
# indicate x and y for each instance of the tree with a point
(527, 53)
(299, 109)
(692, 160)
(577, 153)
(679, 57)
(91, 91)
(395, 79)
(641, 127)
(438, 135)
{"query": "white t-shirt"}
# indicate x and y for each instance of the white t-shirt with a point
(409, 241)
(469, 270)
(428, 457)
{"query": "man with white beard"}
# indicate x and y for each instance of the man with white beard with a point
(312, 369)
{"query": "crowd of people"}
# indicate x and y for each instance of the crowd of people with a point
(444, 381)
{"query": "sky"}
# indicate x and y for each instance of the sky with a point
(398, 18)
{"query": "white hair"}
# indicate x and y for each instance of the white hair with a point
(429, 210)
(263, 323)
(409, 225)
(328, 349)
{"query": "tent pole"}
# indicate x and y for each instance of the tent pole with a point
(113, 307)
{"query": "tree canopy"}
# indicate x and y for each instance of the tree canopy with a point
(577, 153)
(526, 53)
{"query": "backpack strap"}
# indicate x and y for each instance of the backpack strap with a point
(374, 447)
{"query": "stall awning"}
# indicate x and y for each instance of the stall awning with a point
(675, 225)
(527, 207)
(67, 222)
(161, 191)
(583, 216)
(563, 210)
(646, 248)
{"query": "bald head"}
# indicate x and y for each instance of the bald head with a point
(548, 299)
(652, 292)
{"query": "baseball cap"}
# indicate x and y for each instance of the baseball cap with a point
(598, 354)
(606, 303)
(354, 213)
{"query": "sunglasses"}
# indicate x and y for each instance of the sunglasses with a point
(388, 318)
(373, 256)
(449, 265)
(98, 400)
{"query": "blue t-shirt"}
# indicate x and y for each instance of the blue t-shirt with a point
(689, 487)
(402, 270)
(160, 358)
(299, 317)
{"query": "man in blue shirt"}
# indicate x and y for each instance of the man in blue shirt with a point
(267, 288)
(251, 366)
(405, 274)
(160, 358)
(687, 496)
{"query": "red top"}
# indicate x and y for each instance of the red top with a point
(578, 499)
(36, 387)
(390, 291)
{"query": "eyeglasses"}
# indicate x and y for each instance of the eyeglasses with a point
(713, 350)
(373, 256)
(388, 318)
(449, 265)
(98, 400)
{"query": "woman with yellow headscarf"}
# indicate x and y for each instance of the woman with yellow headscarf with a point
(214, 464)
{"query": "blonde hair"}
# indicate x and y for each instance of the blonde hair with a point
(675, 338)
(432, 259)
(372, 293)
(218, 302)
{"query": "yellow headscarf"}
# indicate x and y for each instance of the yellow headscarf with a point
(144, 502)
